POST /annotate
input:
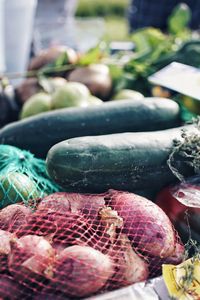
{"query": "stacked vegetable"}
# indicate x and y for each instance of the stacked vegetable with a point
(61, 95)
(38, 133)
(75, 245)
(60, 77)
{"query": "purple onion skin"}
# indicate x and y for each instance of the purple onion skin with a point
(146, 224)
(30, 260)
(87, 204)
(44, 296)
(5, 238)
(13, 216)
(81, 271)
(130, 267)
(155, 263)
(9, 288)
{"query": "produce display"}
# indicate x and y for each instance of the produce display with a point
(99, 170)
(79, 244)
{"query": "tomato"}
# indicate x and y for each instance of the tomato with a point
(171, 206)
(182, 205)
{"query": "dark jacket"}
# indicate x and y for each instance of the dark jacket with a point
(144, 13)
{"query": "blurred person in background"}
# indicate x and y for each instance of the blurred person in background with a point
(54, 12)
(154, 13)
(55, 9)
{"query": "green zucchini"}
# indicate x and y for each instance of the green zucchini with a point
(39, 133)
(124, 161)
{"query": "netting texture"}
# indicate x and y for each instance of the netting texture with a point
(22, 177)
(76, 245)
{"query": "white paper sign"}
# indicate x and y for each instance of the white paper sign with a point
(180, 78)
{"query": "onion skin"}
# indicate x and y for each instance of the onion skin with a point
(63, 230)
(177, 257)
(49, 296)
(55, 202)
(40, 223)
(147, 226)
(13, 216)
(9, 289)
(130, 267)
(5, 238)
(87, 204)
(30, 259)
(81, 271)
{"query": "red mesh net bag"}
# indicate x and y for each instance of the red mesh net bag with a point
(74, 245)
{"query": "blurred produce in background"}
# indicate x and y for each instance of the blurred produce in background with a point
(103, 70)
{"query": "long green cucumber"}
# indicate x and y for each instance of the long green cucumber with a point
(125, 161)
(39, 133)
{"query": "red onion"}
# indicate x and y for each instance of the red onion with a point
(5, 238)
(81, 271)
(31, 258)
(44, 296)
(56, 202)
(146, 225)
(73, 229)
(62, 230)
(177, 257)
(130, 267)
(9, 289)
(41, 223)
(87, 204)
(13, 216)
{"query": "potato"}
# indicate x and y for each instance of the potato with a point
(96, 77)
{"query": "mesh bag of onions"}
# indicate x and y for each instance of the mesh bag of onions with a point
(76, 245)
(22, 177)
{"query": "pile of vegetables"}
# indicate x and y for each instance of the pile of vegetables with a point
(61, 95)
(76, 245)
(39, 133)
(60, 77)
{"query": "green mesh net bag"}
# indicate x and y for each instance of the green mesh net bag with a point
(23, 177)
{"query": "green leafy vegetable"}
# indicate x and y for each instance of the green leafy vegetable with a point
(179, 19)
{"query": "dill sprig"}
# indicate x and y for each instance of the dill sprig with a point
(188, 147)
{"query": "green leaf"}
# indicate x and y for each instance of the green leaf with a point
(179, 19)
(62, 60)
(93, 56)
(116, 73)
(147, 39)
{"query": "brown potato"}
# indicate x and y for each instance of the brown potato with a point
(27, 88)
(96, 77)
